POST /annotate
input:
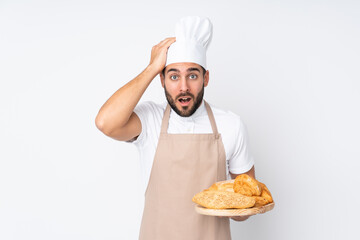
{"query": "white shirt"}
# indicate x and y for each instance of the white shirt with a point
(230, 126)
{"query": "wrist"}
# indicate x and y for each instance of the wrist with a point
(153, 69)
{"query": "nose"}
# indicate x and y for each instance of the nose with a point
(184, 87)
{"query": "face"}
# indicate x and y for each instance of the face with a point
(184, 87)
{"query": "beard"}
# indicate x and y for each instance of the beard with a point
(185, 111)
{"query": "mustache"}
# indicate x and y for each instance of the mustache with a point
(185, 95)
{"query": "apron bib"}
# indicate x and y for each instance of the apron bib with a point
(184, 165)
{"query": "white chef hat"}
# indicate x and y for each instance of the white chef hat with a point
(193, 35)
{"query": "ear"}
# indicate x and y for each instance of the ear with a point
(206, 78)
(162, 78)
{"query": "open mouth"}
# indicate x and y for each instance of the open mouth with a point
(184, 101)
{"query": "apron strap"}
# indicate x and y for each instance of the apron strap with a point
(211, 118)
(165, 121)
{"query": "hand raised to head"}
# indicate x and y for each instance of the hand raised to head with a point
(159, 54)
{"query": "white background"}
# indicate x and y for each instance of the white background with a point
(290, 69)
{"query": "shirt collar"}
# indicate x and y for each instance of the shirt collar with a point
(198, 113)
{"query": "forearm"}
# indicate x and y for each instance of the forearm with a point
(116, 111)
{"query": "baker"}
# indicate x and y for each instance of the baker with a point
(185, 144)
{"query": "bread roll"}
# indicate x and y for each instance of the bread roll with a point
(266, 193)
(223, 200)
(247, 185)
(222, 186)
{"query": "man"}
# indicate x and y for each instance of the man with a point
(181, 150)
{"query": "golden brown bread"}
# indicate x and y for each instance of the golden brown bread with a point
(260, 201)
(247, 185)
(223, 200)
(243, 192)
(222, 186)
(266, 193)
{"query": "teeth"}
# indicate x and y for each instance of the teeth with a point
(184, 99)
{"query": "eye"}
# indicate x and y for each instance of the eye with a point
(193, 76)
(174, 77)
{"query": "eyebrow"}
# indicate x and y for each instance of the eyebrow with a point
(188, 70)
(172, 70)
(193, 69)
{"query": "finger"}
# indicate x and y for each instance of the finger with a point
(171, 41)
(240, 218)
(167, 41)
(168, 44)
